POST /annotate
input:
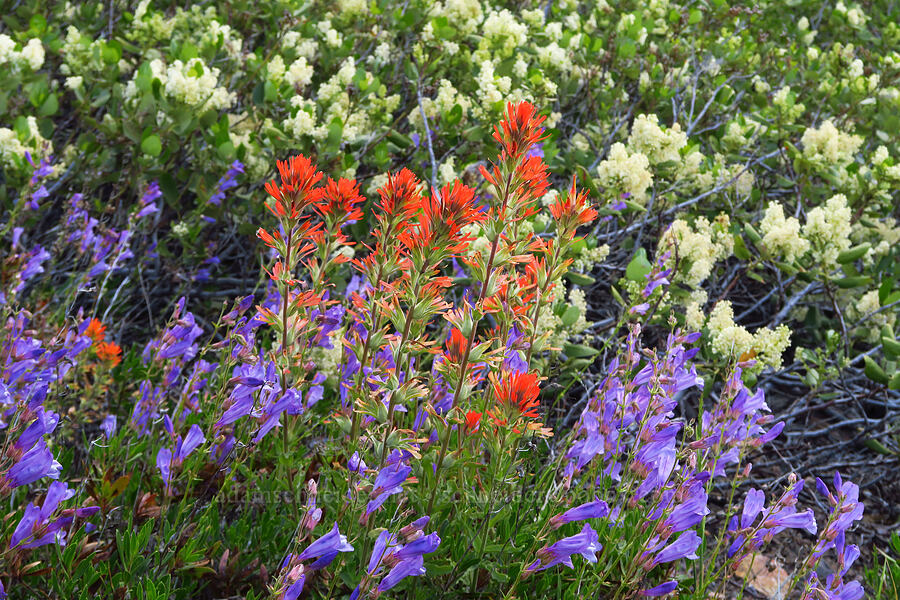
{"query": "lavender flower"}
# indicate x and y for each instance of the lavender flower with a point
(148, 201)
(35, 464)
(586, 543)
(109, 426)
(36, 528)
(166, 460)
(226, 182)
(388, 482)
(326, 548)
(684, 547)
(659, 590)
(590, 510)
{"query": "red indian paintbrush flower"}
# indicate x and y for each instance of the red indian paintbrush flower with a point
(109, 352)
(441, 220)
(96, 330)
(472, 420)
(519, 391)
(456, 347)
(339, 201)
(520, 130)
(400, 197)
(298, 176)
(572, 212)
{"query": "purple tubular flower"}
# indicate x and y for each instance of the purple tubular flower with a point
(423, 545)
(36, 527)
(659, 590)
(190, 442)
(590, 510)
(326, 548)
(294, 590)
(684, 547)
(44, 424)
(413, 567)
(384, 545)
(109, 426)
(388, 482)
(35, 464)
(586, 543)
(164, 463)
(226, 182)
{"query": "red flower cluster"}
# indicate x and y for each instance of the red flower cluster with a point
(106, 351)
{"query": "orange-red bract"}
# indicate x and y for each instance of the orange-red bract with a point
(339, 200)
(520, 130)
(96, 330)
(456, 347)
(109, 352)
(295, 193)
(518, 391)
(442, 218)
(472, 420)
(573, 211)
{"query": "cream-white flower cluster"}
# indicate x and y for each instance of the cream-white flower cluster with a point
(13, 145)
(626, 172)
(196, 84)
(781, 236)
(15, 59)
(828, 229)
(734, 341)
(658, 145)
(695, 249)
(827, 145)
(193, 83)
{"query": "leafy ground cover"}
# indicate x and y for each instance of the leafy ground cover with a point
(363, 299)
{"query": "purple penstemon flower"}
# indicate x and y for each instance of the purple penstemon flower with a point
(109, 426)
(35, 464)
(38, 527)
(167, 460)
(226, 182)
(845, 510)
(407, 561)
(326, 548)
(589, 510)
(660, 590)
(148, 201)
(388, 482)
(684, 547)
(586, 543)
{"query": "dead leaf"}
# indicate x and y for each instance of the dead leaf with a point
(765, 576)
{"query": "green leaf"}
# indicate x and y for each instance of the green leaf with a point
(852, 282)
(884, 290)
(225, 150)
(639, 267)
(891, 346)
(579, 351)
(626, 48)
(111, 52)
(570, 316)
(894, 383)
(335, 132)
(454, 116)
(853, 254)
(188, 51)
(740, 249)
(580, 278)
(49, 106)
(694, 16)
(151, 145)
(38, 24)
(752, 234)
(874, 371)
